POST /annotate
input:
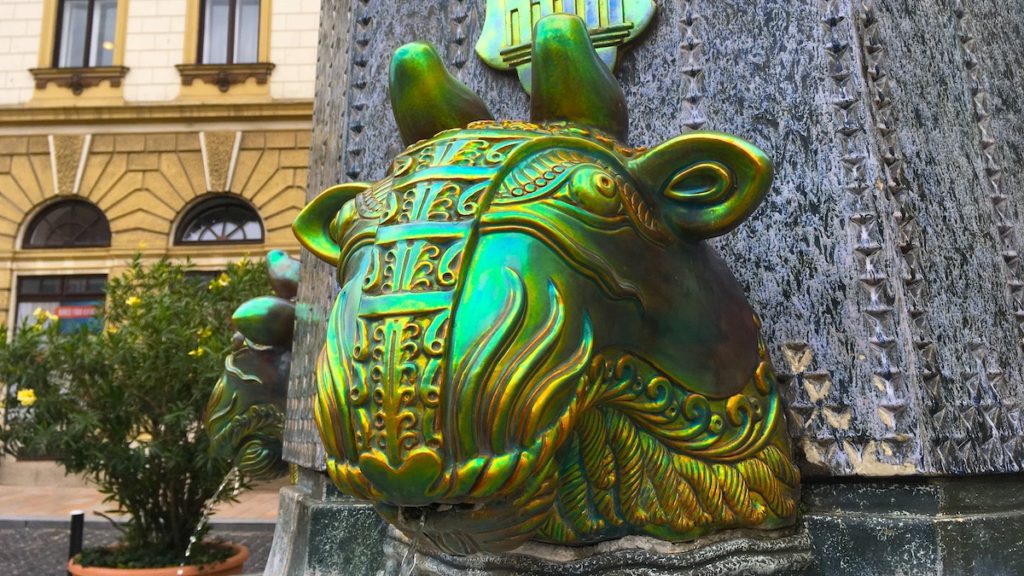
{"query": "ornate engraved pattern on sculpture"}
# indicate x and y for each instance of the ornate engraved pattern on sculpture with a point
(531, 339)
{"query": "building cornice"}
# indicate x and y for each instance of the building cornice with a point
(224, 76)
(38, 261)
(78, 79)
(177, 113)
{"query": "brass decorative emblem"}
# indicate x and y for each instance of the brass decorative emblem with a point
(532, 339)
(506, 40)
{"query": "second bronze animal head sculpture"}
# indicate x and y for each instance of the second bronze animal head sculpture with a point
(532, 340)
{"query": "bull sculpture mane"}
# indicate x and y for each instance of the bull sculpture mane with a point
(531, 339)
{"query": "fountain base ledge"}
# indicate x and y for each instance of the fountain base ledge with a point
(733, 552)
(911, 526)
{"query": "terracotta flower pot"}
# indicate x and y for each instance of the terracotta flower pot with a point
(232, 565)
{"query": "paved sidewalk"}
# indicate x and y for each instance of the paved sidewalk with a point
(36, 503)
(34, 525)
(34, 551)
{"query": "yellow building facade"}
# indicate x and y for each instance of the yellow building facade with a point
(165, 127)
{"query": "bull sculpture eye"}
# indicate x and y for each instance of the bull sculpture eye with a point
(595, 190)
(532, 339)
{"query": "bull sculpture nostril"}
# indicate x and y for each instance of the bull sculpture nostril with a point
(532, 340)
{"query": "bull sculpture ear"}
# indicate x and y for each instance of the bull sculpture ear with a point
(314, 225)
(704, 183)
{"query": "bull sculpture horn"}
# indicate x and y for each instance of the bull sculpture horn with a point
(570, 81)
(426, 98)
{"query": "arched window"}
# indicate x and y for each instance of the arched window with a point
(68, 224)
(220, 219)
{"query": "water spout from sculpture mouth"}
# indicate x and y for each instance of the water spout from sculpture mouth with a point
(409, 560)
(441, 527)
(411, 515)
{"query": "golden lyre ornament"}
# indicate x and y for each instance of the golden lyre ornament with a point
(506, 41)
(532, 339)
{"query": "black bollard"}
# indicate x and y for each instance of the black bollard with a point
(77, 532)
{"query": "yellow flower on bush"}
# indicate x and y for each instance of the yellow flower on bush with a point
(204, 332)
(44, 316)
(197, 352)
(27, 397)
(133, 301)
(220, 281)
(141, 440)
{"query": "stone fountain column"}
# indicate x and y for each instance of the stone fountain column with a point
(885, 262)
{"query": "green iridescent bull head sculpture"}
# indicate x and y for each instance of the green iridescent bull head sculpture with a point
(245, 413)
(531, 339)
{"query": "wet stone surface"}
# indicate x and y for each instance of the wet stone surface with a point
(747, 552)
(33, 551)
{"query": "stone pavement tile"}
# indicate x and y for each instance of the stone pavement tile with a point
(58, 502)
(29, 551)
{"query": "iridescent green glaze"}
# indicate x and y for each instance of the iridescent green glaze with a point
(433, 98)
(266, 320)
(284, 273)
(314, 223)
(531, 339)
(245, 413)
(507, 39)
(558, 72)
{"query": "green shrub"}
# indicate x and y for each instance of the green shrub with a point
(124, 405)
(34, 395)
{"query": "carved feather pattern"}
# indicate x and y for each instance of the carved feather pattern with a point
(621, 471)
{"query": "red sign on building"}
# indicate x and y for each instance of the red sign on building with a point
(75, 312)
